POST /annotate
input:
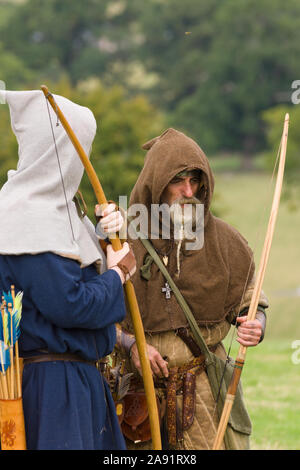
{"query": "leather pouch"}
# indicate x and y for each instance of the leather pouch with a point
(135, 424)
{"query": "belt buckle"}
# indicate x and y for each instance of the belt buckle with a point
(101, 365)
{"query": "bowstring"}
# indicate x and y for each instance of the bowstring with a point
(59, 166)
(257, 239)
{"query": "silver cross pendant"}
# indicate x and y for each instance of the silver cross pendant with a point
(167, 289)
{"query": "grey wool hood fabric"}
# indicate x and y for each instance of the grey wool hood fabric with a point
(33, 207)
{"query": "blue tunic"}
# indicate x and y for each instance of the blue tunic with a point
(66, 309)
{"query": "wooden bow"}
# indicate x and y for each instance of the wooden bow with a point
(129, 289)
(240, 360)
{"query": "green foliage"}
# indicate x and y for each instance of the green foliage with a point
(237, 60)
(8, 147)
(273, 119)
(42, 32)
(211, 67)
(13, 69)
(124, 124)
(81, 39)
(7, 8)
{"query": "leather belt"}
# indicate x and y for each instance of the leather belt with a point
(58, 357)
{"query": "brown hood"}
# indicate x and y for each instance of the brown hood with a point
(213, 278)
(169, 154)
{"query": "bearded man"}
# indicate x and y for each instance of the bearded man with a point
(215, 277)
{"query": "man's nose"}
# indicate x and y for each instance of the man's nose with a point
(188, 190)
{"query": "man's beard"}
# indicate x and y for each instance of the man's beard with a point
(187, 217)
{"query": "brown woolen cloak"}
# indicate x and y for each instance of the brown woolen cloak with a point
(212, 279)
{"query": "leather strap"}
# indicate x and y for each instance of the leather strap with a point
(127, 263)
(184, 334)
(189, 399)
(56, 357)
(171, 407)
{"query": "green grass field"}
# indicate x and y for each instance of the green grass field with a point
(270, 379)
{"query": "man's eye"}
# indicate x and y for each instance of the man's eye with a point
(175, 180)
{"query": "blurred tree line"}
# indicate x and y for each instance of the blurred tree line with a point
(219, 71)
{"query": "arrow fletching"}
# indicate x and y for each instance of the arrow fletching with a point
(17, 314)
(4, 357)
(4, 327)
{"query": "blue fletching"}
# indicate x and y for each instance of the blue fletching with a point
(10, 321)
(5, 328)
(8, 298)
(15, 329)
(4, 357)
(17, 314)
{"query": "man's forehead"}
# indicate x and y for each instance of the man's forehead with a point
(190, 173)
